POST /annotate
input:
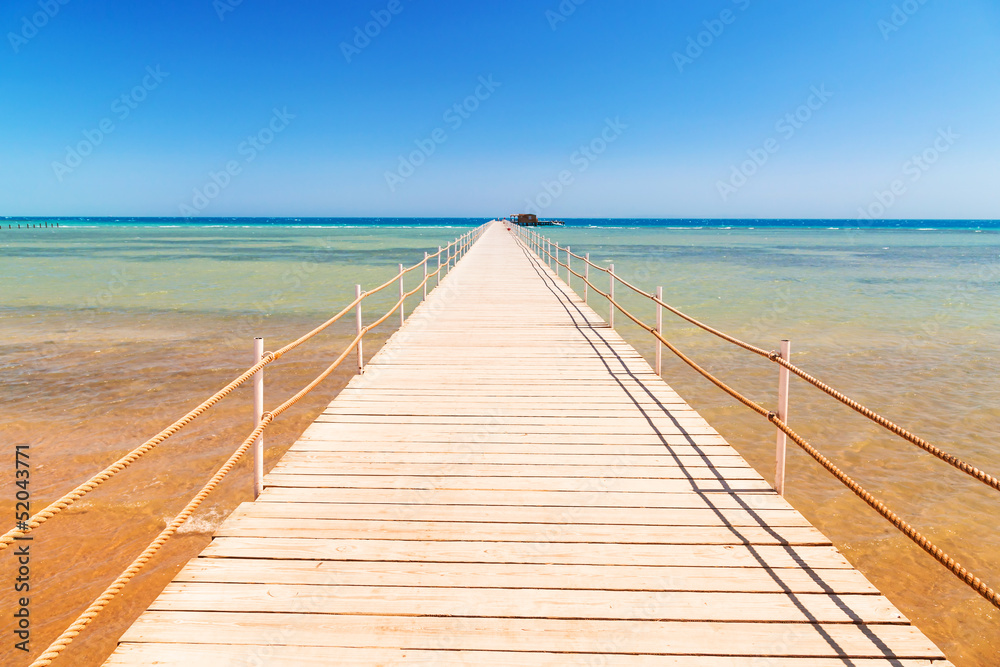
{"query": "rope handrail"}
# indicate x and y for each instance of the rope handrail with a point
(95, 608)
(102, 601)
(135, 454)
(963, 574)
(773, 356)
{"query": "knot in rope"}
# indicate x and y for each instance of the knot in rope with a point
(773, 356)
(771, 416)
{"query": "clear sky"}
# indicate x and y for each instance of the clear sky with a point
(578, 108)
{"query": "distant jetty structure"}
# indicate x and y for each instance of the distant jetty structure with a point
(531, 220)
(508, 482)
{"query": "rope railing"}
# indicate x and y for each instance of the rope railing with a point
(773, 356)
(532, 240)
(135, 454)
(461, 246)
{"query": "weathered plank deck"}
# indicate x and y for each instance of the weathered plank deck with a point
(509, 483)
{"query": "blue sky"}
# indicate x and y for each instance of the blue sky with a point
(579, 108)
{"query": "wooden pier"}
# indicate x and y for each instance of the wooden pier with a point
(510, 483)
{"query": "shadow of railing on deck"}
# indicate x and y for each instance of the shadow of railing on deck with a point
(582, 324)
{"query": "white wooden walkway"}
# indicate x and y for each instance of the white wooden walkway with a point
(510, 484)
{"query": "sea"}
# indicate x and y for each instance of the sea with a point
(112, 328)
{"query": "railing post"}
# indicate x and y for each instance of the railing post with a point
(437, 275)
(427, 257)
(361, 351)
(569, 268)
(586, 276)
(402, 300)
(258, 415)
(659, 330)
(779, 469)
(611, 297)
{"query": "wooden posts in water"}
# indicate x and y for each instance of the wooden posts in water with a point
(361, 354)
(611, 296)
(586, 276)
(783, 375)
(258, 415)
(659, 330)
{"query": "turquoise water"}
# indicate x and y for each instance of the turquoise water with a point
(109, 330)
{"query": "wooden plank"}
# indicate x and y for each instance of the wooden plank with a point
(482, 551)
(490, 434)
(735, 475)
(666, 605)
(407, 527)
(683, 455)
(469, 454)
(563, 515)
(549, 635)
(534, 498)
(214, 655)
(304, 478)
(527, 575)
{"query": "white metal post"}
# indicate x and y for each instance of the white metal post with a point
(611, 296)
(258, 415)
(586, 277)
(402, 301)
(437, 279)
(659, 330)
(361, 352)
(783, 375)
(569, 268)
(427, 257)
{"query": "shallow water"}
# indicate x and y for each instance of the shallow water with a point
(111, 332)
